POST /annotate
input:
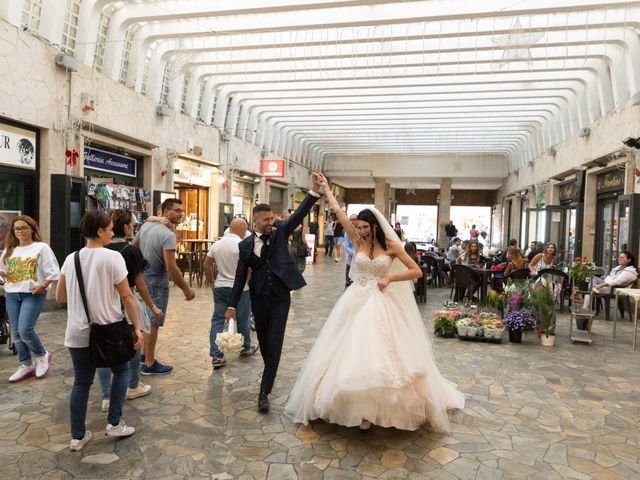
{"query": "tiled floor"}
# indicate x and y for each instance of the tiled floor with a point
(571, 411)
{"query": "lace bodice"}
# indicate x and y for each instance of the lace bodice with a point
(368, 269)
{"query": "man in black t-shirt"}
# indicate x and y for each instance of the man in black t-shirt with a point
(451, 232)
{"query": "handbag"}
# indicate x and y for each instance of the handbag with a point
(111, 344)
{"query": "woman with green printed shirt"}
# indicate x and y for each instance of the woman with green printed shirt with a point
(27, 267)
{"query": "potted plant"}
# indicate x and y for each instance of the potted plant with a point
(443, 324)
(546, 310)
(492, 326)
(518, 321)
(581, 270)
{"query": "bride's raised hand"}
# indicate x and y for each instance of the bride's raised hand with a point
(383, 283)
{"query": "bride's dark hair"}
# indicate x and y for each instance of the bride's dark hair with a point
(369, 217)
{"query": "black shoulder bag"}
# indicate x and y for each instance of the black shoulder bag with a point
(111, 344)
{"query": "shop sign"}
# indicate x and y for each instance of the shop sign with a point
(104, 161)
(237, 188)
(17, 147)
(273, 168)
(568, 192)
(610, 181)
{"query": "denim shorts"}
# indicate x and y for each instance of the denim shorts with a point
(338, 240)
(159, 290)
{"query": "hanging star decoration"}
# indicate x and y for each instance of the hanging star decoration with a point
(517, 44)
(72, 157)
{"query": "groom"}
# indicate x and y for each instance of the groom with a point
(273, 276)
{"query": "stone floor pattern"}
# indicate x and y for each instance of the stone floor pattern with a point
(571, 411)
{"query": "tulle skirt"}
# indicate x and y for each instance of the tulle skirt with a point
(373, 361)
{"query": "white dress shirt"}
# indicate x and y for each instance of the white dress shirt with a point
(257, 247)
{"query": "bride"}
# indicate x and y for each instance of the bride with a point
(372, 361)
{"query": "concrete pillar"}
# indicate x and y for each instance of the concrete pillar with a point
(381, 196)
(589, 222)
(444, 211)
(516, 221)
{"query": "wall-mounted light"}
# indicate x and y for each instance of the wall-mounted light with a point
(632, 142)
(552, 151)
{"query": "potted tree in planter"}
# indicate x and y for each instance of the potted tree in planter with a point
(444, 324)
(545, 310)
(581, 271)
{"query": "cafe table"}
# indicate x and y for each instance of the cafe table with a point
(485, 273)
(633, 294)
(194, 253)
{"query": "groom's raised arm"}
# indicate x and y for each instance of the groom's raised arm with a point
(303, 210)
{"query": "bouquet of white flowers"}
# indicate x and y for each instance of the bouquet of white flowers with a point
(230, 342)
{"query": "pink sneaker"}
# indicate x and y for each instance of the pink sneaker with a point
(42, 365)
(23, 372)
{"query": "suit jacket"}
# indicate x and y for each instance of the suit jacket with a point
(278, 261)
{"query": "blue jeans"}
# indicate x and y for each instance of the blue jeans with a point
(104, 376)
(23, 310)
(243, 310)
(158, 286)
(83, 373)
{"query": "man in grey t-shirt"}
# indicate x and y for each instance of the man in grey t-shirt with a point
(158, 245)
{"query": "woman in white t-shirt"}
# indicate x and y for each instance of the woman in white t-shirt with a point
(27, 267)
(105, 280)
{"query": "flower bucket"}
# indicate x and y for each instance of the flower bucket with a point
(493, 333)
(515, 336)
(462, 330)
(472, 331)
(548, 340)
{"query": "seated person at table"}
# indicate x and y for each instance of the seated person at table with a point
(516, 260)
(472, 258)
(621, 276)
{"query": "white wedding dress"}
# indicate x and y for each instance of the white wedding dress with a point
(373, 361)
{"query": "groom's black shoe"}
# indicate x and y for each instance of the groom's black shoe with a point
(263, 403)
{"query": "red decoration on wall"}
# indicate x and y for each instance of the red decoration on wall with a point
(72, 157)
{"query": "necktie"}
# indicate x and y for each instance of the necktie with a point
(263, 251)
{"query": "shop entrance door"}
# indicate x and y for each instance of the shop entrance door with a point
(195, 202)
(628, 231)
(607, 232)
(553, 227)
(569, 216)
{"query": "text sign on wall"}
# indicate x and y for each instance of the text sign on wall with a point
(273, 168)
(610, 181)
(17, 147)
(568, 192)
(104, 161)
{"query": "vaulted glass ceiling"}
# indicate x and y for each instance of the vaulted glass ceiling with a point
(311, 78)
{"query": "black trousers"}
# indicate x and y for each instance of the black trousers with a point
(270, 313)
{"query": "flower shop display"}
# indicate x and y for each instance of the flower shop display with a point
(518, 321)
(484, 327)
(444, 323)
(495, 301)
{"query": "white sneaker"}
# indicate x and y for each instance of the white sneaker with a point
(76, 445)
(42, 365)
(141, 390)
(22, 373)
(106, 402)
(336, 259)
(120, 430)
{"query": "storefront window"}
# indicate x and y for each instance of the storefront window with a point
(195, 202)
